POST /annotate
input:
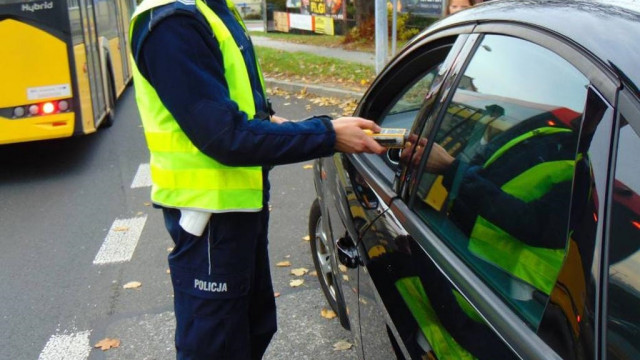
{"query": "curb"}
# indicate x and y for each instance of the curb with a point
(313, 89)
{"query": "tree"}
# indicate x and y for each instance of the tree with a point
(365, 22)
(365, 11)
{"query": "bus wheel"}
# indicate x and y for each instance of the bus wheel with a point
(111, 102)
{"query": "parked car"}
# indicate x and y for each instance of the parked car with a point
(508, 226)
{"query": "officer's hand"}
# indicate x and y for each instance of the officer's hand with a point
(350, 137)
(439, 159)
(278, 119)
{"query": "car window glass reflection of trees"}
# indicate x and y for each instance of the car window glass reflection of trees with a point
(403, 112)
(502, 204)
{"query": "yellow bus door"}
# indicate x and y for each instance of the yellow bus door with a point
(93, 60)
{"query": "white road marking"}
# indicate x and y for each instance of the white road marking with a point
(143, 177)
(67, 347)
(121, 241)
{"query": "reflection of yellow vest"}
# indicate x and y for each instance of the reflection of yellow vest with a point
(441, 342)
(536, 265)
(183, 176)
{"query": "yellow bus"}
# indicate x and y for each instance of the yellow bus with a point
(63, 65)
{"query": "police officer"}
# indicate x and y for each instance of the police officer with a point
(206, 117)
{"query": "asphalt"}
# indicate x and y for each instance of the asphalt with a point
(320, 90)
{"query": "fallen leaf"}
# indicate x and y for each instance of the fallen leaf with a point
(306, 238)
(362, 300)
(283, 264)
(342, 268)
(107, 343)
(327, 314)
(132, 285)
(170, 249)
(345, 277)
(296, 282)
(342, 345)
(313, 273)
(308, 166)
(276, 294)
(147, 203)
(121, 228)
(299, 271)
(139, 213)
(287, 256)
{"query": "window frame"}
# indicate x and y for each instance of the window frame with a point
(378, 173)
(628, 106)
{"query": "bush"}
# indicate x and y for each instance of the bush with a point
(253, 16)
(408, 26)
(361, 34)
(404, 31)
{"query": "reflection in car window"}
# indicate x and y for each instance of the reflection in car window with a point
(404, 111)
(497, 183)
(623, 305)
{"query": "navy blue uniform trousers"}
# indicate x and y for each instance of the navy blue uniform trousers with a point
(223, 296)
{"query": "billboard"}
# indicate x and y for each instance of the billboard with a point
(281, 21)
(332, 8)
(422, 7)
(323, 25)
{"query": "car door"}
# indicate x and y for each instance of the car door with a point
(395, 101)
(501, 243)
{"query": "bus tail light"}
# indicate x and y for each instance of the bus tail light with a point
(19, 111)
(38, 109)
(34, 109)
(63, 105)
(48, 108)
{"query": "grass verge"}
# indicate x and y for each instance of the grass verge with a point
(314, 69)
(335, 41)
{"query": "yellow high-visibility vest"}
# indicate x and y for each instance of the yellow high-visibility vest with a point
(182, 176)
(537, 266)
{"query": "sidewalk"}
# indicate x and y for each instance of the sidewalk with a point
(321, 90)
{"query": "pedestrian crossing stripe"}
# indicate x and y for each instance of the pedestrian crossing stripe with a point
(142, 177)
(121, 241)
(67, 347)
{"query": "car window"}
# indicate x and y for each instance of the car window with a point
(398, 97)
(623, 303)
(497, 185)
(405, 109)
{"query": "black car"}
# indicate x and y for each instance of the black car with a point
(508, 226)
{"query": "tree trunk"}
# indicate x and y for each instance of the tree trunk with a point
(365, 10)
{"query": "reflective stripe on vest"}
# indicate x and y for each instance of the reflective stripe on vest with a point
(182, 176)
(442, 343)
(536, 265)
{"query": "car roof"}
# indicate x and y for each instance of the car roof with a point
(608, 29)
